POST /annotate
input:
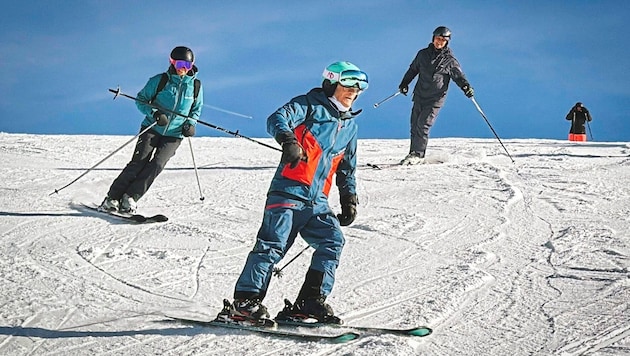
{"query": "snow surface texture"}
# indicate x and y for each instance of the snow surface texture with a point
(499, 258)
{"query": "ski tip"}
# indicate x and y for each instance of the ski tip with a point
(159, 218)
(138, 218)
(421, 331)
(349, 336)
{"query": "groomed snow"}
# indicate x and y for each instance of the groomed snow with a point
(499, 258)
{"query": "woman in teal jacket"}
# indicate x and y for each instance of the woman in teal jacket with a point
(318, 135)
(156, 146)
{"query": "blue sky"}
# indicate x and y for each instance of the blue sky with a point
(528, 61)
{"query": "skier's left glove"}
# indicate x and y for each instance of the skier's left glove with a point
(188, 129)
(468, 91)
(348, 209)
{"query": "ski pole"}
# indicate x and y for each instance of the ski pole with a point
(488, 122)
(201, 197)
(389, 97)
(104, 159)
(588, 125)
(278, 271)
(117, 92)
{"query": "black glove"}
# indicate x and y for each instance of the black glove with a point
(348, 209)
(188, 129)
(292, 152)
(404, 89)
(468, 91)
(160, 118)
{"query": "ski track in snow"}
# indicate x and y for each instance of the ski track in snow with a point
(524, 258)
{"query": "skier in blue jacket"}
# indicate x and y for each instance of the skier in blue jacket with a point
(318, 135)
(156, 146)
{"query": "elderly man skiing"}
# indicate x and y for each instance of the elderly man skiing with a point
(318, 135)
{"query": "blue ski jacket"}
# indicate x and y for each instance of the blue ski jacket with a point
(329, 140)
(178, 96)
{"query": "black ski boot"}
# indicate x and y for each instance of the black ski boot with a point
(245, 312)
(308, 311)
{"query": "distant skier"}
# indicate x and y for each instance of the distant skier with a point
(156, 146)
(435, 66)
(578, 115)
(318, 135)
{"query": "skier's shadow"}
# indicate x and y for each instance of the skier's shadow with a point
(9, 213)
(63, 334)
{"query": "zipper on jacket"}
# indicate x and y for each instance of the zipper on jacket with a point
(327, 166)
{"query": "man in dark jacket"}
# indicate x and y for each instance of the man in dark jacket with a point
(435, 66)
(578, 115)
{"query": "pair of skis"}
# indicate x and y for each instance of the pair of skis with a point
(136, 218)
(286, 328)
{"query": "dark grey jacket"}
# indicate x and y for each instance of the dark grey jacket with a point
(434, 68)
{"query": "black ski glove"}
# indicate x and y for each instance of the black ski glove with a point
(468, 91)
(188, 129)
(160, 118)
(292, 152)
(404, 89)
(348, 209)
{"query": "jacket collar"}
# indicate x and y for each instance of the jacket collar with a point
(318, 95)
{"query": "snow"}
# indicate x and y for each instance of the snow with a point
(524, 258)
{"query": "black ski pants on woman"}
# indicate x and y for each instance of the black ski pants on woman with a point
(149, 158)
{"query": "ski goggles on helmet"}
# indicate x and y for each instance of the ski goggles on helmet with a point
(348, 78)
(179, 64)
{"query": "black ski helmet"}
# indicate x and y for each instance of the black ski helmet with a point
(442, 31)
(183, 54)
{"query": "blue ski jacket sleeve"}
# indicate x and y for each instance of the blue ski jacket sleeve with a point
(329, 140)
(177, 96)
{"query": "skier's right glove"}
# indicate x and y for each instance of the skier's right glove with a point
(404, 89)
(292, 152)
(160, 118)
(348, 209)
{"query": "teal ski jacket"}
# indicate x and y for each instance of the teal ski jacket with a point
(177, 96)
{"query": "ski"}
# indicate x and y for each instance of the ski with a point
(382, 166)
(398, 164)
(136, 218)
(415, 331)
(284, 318)
(271, 330)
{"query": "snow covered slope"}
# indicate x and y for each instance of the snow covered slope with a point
(524, 258)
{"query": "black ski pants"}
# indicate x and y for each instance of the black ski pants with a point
(149, 158)
(423, 115)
